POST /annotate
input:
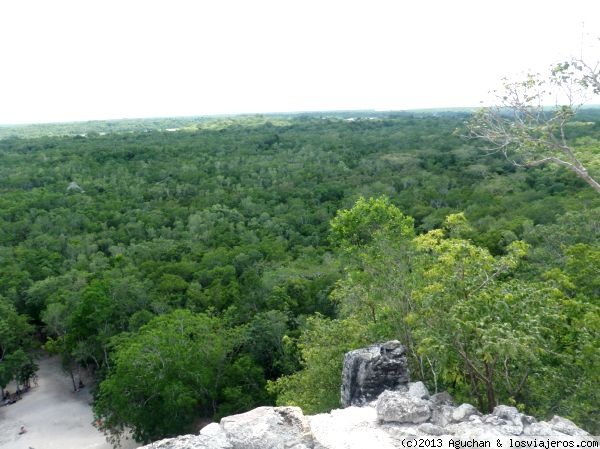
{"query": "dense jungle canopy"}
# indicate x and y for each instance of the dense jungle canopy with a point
(202, 267)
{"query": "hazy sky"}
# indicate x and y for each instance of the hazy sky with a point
(66, 60)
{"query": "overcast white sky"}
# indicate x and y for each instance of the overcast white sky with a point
(64, 60)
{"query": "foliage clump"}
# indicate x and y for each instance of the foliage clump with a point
(471, 323)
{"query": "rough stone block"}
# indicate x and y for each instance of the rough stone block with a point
(393, 406)
(369, 371)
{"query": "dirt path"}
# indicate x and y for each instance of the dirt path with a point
(55, 417)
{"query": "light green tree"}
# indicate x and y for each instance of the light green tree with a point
(354, 228)
(380, 272)
(573, 369)
(486, 329)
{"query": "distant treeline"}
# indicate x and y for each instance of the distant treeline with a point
(186, 123)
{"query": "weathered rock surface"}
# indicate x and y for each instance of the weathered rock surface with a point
(400, 410)
(393, 406)
(188, 442)
(377, 424)
(369, 371)
(463, 411)
(268, 428)
(418, 390)
(351, 427)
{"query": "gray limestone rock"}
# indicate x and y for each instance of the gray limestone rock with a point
(418, 390)
(442, 415)
(189, 442)
(507, 413)
(475, 419)
(494, 420)
(468, 430)
(351, 428)
(442, 398)
(393, 406)
(431, 429)
(367, 372)
(527, 420)
(539, 429)
(216, 434)
(463, 411)
(268, 428)
(514, 419)
(565, 426)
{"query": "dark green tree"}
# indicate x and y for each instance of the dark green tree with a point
(178, 368)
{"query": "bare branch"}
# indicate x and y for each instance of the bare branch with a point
(529, 134)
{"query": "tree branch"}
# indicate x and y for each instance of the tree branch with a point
(529, 135)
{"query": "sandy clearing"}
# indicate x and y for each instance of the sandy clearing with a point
(55, 417)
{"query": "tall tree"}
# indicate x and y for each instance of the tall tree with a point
(15, 341)
(176, 369)
(316, 387)
(485, 329)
